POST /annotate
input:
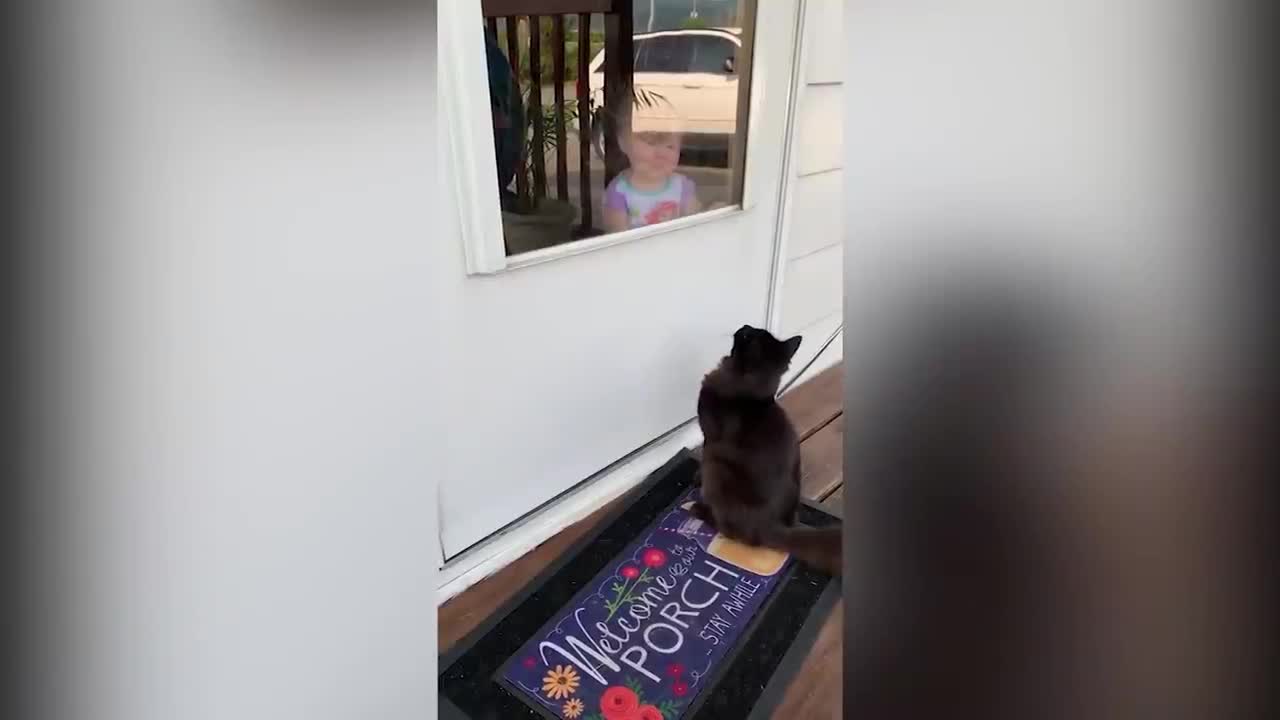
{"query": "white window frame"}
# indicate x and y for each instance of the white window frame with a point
(468, 143)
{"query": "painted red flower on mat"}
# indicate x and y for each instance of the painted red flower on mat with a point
(630, 572)
(620, 703)
(648, 712)
(628, 702)
(680, 688)
(653, 557)
(675, 670)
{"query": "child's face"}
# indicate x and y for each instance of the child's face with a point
(653, 154)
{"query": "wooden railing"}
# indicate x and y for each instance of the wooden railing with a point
(618, 64)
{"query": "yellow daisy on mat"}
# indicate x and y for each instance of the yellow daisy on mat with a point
(573, 708)
(561, 682)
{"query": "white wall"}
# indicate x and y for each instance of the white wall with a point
(1071, 137)
(812, 283)
(249, 348)
(1076, 138)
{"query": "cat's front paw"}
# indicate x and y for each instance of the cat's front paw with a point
(702, 511)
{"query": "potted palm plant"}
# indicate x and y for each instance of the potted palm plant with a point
(531, 221)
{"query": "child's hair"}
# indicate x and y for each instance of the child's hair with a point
(657, 136)
(622, 125)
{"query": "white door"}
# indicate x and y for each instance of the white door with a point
(562, 361)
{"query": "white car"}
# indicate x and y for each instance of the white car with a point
(693, 74)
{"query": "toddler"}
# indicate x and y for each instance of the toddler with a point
(650, 191)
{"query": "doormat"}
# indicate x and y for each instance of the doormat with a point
(653, 617)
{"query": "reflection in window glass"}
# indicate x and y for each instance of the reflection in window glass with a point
(712, 55)
(586, 145)
(666, 54)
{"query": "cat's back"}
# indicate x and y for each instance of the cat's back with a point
(742, 420)
(749, 446)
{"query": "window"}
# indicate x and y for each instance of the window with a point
(573, 166)
(712, 55)
(666, 54)
(641, 53)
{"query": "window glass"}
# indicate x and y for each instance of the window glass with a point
(612, 152)
(712, 54)
(666, 54)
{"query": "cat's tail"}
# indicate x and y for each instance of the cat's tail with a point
(820, 548)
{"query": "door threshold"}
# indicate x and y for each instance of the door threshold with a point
(491, 555)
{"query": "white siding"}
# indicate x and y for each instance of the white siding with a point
(815, 214)
(825, 38)
(812, 284)
(813, 287)
(820, 129)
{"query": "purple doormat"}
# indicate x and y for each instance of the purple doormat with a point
(650, 615)
(645, 636)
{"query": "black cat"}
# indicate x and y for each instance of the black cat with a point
(750, 471)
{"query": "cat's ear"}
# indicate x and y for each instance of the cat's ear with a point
(790, 347)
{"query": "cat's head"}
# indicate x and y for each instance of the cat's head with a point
(759, 357)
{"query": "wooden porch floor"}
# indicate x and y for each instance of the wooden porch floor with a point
(815, 694)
